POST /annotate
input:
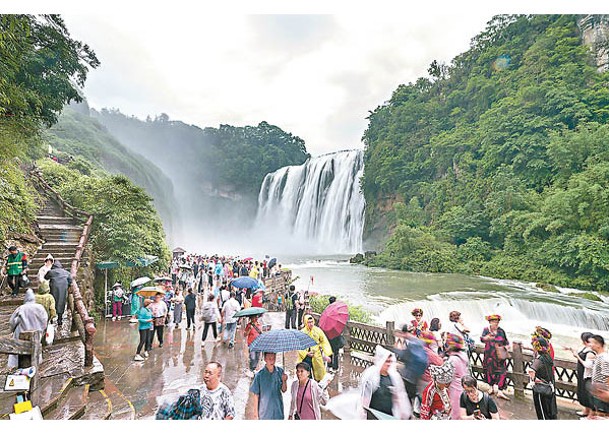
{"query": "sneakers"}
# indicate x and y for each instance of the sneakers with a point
(114, 319)
(161, 345)
(146, 354)
(138, 357)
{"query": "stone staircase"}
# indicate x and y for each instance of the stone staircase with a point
(67, 390)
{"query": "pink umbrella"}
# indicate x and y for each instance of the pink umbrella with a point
(248, 259)
(333, 319)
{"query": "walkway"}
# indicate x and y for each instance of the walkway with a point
(178, 366)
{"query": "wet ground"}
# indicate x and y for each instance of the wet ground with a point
(178, 366)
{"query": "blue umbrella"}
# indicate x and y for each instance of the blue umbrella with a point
(272, 262)
(282, 340)
(252, 311)
(245, 282)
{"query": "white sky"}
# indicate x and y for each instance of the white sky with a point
(314, 69)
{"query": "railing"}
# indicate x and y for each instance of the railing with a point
(28, 347)
(84, 323)
(362, 339)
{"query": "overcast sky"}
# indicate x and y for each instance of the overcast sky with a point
(315, 71)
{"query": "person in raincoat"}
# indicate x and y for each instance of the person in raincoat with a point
(59, 281)
(315, 356)
(136, 303)
(382, 388)
(46, 299)
(27, 317)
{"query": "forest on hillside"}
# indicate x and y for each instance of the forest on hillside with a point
(497, 163)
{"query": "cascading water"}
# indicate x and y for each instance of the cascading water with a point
(318, 204)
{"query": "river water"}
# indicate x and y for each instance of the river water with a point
(391, 295)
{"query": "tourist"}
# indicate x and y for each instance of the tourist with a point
(457, 327)
(190, 301)
(210, 315)
(230, 308)
(290, 308)
(541, 373)
(27, 317)
(436, 403)
(46, 299)
(136, 303)
(494, 364)
(382, 388)
(474, 404)
(336, 344)
(316, 355)
(252, 330)
(300, 308)
(117, 301)
(159, 314)
(547, 335)
(216, 399)
(433, 359)
(419, 324)
(585, 361)
(455, 350)
(435, 327)
(59, 281)
(15, 267)
(178, 301)
(267, 387)
(48, 264)
(257, 298)
(146, 330)
(600, 378)
(307, 395)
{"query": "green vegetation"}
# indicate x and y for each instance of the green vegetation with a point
(499, 160)
(356, 313)
(233, 158)
(125, 225)
(78, 134)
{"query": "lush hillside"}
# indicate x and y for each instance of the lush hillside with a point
(232, 159)
(81, 136)
(497, 164)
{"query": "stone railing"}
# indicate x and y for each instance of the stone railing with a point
(361, 339)
(84, 322)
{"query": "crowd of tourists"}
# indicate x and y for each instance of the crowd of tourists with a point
(426, 375)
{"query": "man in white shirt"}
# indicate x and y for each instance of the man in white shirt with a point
(217, 401)
(230, 322)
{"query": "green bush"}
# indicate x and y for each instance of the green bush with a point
(356, 313)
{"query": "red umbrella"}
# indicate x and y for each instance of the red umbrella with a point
(248, 259)
(333, 319)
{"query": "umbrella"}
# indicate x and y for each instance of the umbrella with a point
(161, 279)
(333, 319)
(140, 281)
(272, 262)
(185, 266)
(248, 259)
(245, 282)
(282, 340)
(252, 311)
(149, 291)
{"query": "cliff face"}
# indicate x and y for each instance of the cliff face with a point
(595, 34)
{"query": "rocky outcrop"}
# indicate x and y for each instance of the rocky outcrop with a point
(595, 34)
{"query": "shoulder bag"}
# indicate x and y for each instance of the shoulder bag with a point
(297, 413)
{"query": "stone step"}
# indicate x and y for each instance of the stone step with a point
(58, 245)
(50, 392)
(45, 226)
(99, 406)
(52, 218)
(72, 406)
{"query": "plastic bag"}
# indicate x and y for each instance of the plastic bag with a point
(49, 335)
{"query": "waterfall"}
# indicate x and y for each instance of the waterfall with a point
(317, 205)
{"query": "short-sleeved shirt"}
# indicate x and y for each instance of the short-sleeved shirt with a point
(600, 369)
(229, 309)
(267, 386)
(485, 404)
(217, 404)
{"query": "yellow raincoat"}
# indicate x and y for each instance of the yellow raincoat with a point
(323, 345)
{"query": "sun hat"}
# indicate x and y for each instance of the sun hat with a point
(493, 317)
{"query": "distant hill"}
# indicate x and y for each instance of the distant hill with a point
(78, 134)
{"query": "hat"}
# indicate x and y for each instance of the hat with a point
(49, 257)
(454, 341)
(540, 344)
(493, 317)
(307, 317)
(12, 248)
(417, 311)
(542, 332)
(442, 374)
(117, 284)
(427, 337)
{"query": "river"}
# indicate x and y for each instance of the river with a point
(391, 295)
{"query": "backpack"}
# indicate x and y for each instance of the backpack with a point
(415, 361)
(208, 312)
(118, 293)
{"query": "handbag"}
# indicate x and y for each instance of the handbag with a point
(543, 388)
(502, 352)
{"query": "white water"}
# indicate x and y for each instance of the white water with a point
(316, 207)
